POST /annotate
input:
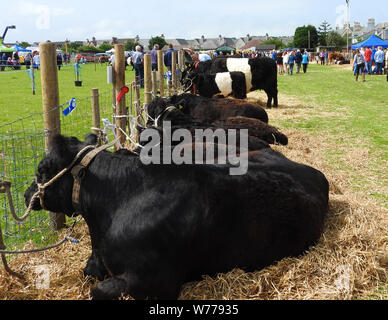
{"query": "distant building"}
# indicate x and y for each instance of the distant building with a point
(195, 44)
(357, 31)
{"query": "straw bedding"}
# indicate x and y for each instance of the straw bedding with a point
(349, 262)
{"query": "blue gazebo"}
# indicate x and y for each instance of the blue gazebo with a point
(372, 41)
(18, 48)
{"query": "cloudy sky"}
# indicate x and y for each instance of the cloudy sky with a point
(41, 20)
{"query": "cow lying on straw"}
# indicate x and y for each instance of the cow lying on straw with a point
(155, 227)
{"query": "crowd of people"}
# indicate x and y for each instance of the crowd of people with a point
(29, 59)
(287, 60)
(369, 61)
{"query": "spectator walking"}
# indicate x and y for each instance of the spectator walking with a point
(322, 58)
(59, 61)
(286, 56)
(386, 63)
(36, 61)
(359, 64)
(326, 57)
(168, 57)
(3, 61)
(154, 57)
(291, 62)
(279, 62)
(273, 55)
(379, 60)
(373, 55)
(138, 63)
(168, 61)
(28, 60)
(298, 60)
(305, 61)
(368, 59)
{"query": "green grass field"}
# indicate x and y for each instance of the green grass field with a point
(353, 115)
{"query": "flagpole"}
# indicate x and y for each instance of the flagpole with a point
(347, 29)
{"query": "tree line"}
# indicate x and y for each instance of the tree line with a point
(310, 37)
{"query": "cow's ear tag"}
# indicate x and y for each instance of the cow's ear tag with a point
(180, 107)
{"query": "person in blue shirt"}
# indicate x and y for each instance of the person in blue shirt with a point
(168, 61)
(291, 62)
(274, 55)
(379, 61)
(305, 61)
(168, 57)
(138, 60)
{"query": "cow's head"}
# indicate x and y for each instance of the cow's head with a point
(190, 67)
(57, 196)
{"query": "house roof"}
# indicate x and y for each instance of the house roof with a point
(251, 44)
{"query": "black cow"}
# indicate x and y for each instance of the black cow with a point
(260, 74)
(155, 227)
(208, 109)
(160, 111)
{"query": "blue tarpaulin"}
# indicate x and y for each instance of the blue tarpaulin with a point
(372, 41)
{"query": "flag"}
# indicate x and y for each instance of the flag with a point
(70, 108)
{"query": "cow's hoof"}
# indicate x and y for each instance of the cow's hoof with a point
(108, 289)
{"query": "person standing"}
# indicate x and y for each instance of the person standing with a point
(359, 64)
(27, 60)
(168, 61)
(322, 58)
(279, 62)
(386, 63)
(298, 60)
(326, 57)
(59, 61)
(154, 57)
(286, 56)
(36, 61)
(138, 63)
(305, 61)
(379, 60)
(273, 55)
(291, 62)
(368, 59)
(3, 61)
(373, 55)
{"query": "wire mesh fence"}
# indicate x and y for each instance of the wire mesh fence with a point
(22, 146)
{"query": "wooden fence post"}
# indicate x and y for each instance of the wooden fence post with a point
(154, 77)
(119, 82)
(160, 72)
(173, 71)
(147, 85)
(50, 102)
(96, 111)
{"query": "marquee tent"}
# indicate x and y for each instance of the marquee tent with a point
(372, 41)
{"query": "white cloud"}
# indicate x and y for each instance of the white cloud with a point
(29, 8)
(107, 28)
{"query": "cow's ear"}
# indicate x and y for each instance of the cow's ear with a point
(91, 139)
(62, 148)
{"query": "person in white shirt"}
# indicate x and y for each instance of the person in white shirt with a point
(36, 61)
(285, 62)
